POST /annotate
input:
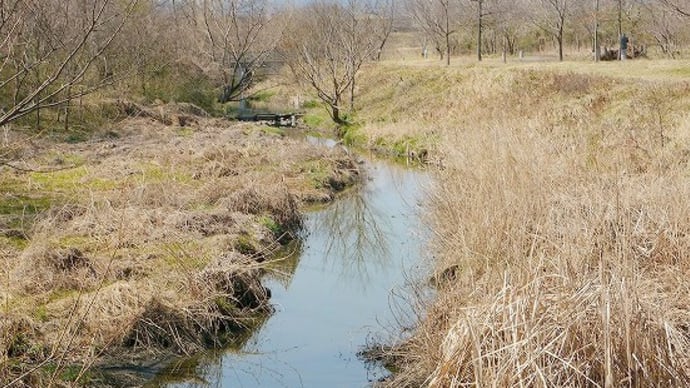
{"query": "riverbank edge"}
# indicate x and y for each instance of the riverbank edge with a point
(237, 296)
(546, 99)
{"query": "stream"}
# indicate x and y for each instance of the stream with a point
(340, 287)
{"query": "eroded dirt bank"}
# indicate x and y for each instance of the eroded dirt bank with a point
(147, 240)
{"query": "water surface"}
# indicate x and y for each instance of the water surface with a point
(336, 291)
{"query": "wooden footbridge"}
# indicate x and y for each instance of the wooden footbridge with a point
(275, 119)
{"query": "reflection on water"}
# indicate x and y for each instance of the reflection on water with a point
(354, 236)
(284, 264)
(332, 292)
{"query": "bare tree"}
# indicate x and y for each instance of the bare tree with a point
(49, 47)
(435, 18)
(480, 19)
(510, 19)
(385, 10)
(238, 36)
(668, 28)
(682, 7)
(551, 19)
(326, 47)
(498, 21)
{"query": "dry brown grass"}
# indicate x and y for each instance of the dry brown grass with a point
(147, 241)
(562, 224)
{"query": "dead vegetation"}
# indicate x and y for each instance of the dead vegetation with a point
(561, 217)
(146, 240)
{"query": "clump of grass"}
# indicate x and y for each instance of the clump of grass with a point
(273, 226)
(351, 135)
(44, 268)
(219, 296)
(281, 206)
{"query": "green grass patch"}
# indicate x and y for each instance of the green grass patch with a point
(190, 254)
(271, 225)
(82, 242)
(352, 135)
(245, 244)
(24, 205)
(70, 374)
(18, 211)
(315, 120)
(180, 84)
(273, 130)
(17, 243)
(311, 104)
(60, 294)
(262, 96)
(63, 180)
(61, 158)
(76, 136)
(231, 110)
(317, 172)
(70, 181)
(155, 173)
(681, 71)
(225, 305)
(185, 132)
(41, 314)
(406, 145)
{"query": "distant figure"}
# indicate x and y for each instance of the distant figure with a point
(624, 47)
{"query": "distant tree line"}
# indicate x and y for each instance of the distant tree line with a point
(53, 53)
(450, 27)
(208, 52)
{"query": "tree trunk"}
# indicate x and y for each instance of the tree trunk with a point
(447, 36)
(67, 106)
(352, 85)
(38, 114)
(479, 30)
(620, 25)
(447, 50)
(560, 42)
(597, 50)
(511, 44)
(335, 114)
(504, 54)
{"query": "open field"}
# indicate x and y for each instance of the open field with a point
(146, 240)
(561, 216)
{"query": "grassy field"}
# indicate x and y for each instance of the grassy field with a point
(561, 216)
(146, 239)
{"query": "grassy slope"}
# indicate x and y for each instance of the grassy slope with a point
(562, 216)
(145, 240)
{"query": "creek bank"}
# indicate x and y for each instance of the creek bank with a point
(559, 224)
(338, 290)
(147, 240)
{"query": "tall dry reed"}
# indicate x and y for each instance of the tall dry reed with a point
(562, 226)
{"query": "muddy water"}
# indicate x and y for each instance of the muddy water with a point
(335, 292)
